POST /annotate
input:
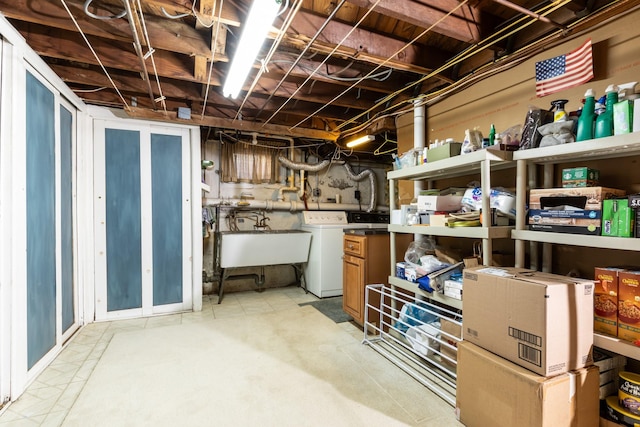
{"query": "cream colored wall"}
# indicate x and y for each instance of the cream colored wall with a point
(504, 99)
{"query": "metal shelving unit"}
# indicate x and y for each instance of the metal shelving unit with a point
(602, 148)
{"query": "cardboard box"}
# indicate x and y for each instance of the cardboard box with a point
(629, 305)
(587, 198)
(606, 361)
(451, 334)
(605, 306)
(608, 423)
(580, 177)
(439, 203)
(566, 221)
(636, 115)
(617, 218)
(622, 117)
(444, 151)
(492, 391)
(541, 321)
(569, 210)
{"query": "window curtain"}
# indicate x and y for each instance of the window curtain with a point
(242, 162)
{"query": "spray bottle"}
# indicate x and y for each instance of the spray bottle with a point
(604, 122)
(587, 117)
(560, 115)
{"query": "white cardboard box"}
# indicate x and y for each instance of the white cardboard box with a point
(447, 203)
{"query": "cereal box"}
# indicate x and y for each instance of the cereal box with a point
(605, 305)
(629, 305)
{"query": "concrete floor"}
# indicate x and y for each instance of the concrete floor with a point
(270, 362)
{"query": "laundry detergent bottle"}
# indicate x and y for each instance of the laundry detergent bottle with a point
(587, 117)
(604, 122)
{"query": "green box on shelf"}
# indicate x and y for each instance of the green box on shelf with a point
(580, 177)
(617, 218)
(444, 151)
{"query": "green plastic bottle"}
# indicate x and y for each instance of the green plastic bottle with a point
(587, 117)
(492, 134)
(604, 122)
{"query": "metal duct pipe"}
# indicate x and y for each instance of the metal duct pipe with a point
(372, 182)
(319, 166)
(303, 166)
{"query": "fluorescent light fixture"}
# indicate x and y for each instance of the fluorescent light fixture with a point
(360, 140)
(256, 28)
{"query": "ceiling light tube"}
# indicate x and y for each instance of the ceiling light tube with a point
(360, 140)
(256, 28)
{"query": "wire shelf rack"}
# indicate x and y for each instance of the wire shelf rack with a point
(417, 335)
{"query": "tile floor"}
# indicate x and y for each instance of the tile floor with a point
(48, 399)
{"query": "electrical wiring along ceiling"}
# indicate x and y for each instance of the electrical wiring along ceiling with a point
(328, 69)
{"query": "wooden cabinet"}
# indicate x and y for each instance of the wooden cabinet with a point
(366, 261)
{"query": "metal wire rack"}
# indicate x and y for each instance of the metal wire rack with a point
(418, 336)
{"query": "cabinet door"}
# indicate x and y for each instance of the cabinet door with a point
(353, 285)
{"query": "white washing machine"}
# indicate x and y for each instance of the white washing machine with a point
(323, 273)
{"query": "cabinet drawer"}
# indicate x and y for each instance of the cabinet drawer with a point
(354, 245)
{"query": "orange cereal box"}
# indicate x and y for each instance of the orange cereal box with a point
(605, 303)
(629, 305)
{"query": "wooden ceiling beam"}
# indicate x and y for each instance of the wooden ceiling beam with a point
(462, 25)
(240, 125)
(164, 33)
(362, 42)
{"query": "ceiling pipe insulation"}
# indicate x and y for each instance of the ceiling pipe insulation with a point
(367, 173)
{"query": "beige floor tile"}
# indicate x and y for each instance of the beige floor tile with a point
(325, 365)
(54, 419)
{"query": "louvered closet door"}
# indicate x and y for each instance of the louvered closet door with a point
(142, 207)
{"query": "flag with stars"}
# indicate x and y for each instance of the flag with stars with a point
(564, 71)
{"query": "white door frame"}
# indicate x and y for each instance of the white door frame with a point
(191, 210)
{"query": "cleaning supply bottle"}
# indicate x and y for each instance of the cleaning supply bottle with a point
(604, 122)
(492, 134)
(587, 117)
(560, 115)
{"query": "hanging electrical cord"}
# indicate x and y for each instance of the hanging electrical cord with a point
(104, 18)
(301, 56)
(84, 37)
(213, 60)
(367, 13)
(150, 54)
(138, 48)
(285, 26)
(378, 77)
(472, 50)
(179, 16)
(379, 65)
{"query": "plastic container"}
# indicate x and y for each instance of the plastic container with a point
(629, 392)
(604, 122)
(587, 117)
(560, 115)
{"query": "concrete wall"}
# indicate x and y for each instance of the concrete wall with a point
(331, 181)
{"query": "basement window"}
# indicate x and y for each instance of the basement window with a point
(247, 162)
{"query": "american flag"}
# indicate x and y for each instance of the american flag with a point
(564, 71)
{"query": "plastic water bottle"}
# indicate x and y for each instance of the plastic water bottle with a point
(604, 122)
(587, 117)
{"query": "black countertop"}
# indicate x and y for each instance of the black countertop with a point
(366, 231)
